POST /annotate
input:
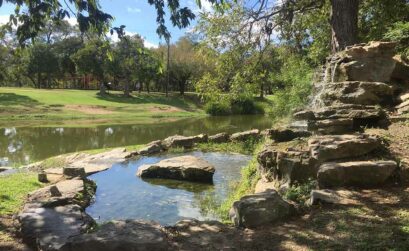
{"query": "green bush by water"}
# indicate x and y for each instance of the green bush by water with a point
(240, 106)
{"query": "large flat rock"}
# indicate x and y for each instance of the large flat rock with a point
(129, 235)
(332, 147)
(355, 173)
(188, 168)
(61, 193)
(356, 92)
(50, 228)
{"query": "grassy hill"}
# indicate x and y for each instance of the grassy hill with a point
(27, 105)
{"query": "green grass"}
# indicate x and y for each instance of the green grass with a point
(249, 178)
(19, 104)
(14, 189)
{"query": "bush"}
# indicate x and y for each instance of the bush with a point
(246, 105)
(242, 105)
(217, 108)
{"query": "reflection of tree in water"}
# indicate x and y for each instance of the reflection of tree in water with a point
(42, 142)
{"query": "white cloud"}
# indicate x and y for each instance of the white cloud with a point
(4, 19)
(71, 20)
(150, 45)
(114, 38)
(133, 10)
(206, 6)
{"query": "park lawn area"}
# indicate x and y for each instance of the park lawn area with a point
(26, 104)
(14, 189)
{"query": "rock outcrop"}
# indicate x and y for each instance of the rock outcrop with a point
(247, 135)
(188, 168)
(183, 141)
(260, 209)
(355, 173)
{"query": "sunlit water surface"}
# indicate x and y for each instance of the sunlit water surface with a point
(122, 195)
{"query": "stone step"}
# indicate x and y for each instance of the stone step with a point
(333, 147)
(355, 173)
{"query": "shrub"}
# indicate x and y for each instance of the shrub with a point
(246, 105)
(217, 108)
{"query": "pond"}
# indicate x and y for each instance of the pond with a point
(23, 145)
(122, 195)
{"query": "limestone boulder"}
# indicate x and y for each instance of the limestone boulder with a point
(356, 92)
(128, 235)
(401, 71)
(244, 136)
(188, 168)
(285, 134)
(355, 173)
(183, 141)
(404, 171)
(49, 228)
(261, 209)
(371, 62)
(340, 197)
(153, 147)
(61, 193)
(332, 126)
(286, 167)
(333, 147)
(219, 138)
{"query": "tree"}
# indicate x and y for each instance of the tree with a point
(94, 59)
(42, 62)
(344, 23)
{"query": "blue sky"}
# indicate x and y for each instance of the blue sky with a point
(138, 16)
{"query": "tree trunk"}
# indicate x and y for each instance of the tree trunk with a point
(261, 90)
(102, 88)
(126, 89)
(344, 23)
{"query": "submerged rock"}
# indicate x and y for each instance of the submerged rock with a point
(355, 173)
(180, 168)
(128, 235)
(261, 209)
(243, 136)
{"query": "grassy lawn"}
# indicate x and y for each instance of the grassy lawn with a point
(17, 104)
(13, 190)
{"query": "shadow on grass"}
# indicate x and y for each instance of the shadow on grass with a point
(182, 102)
(11, 99)
(380, 223)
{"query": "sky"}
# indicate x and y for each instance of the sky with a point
(137, 15)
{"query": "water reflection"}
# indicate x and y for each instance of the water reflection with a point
(37, 143)
(122, 195)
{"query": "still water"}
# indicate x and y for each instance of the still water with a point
(23, 145)
(122, 195)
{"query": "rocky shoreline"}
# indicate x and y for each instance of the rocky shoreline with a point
(361, 88)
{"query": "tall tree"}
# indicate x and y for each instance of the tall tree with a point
(344, 23)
